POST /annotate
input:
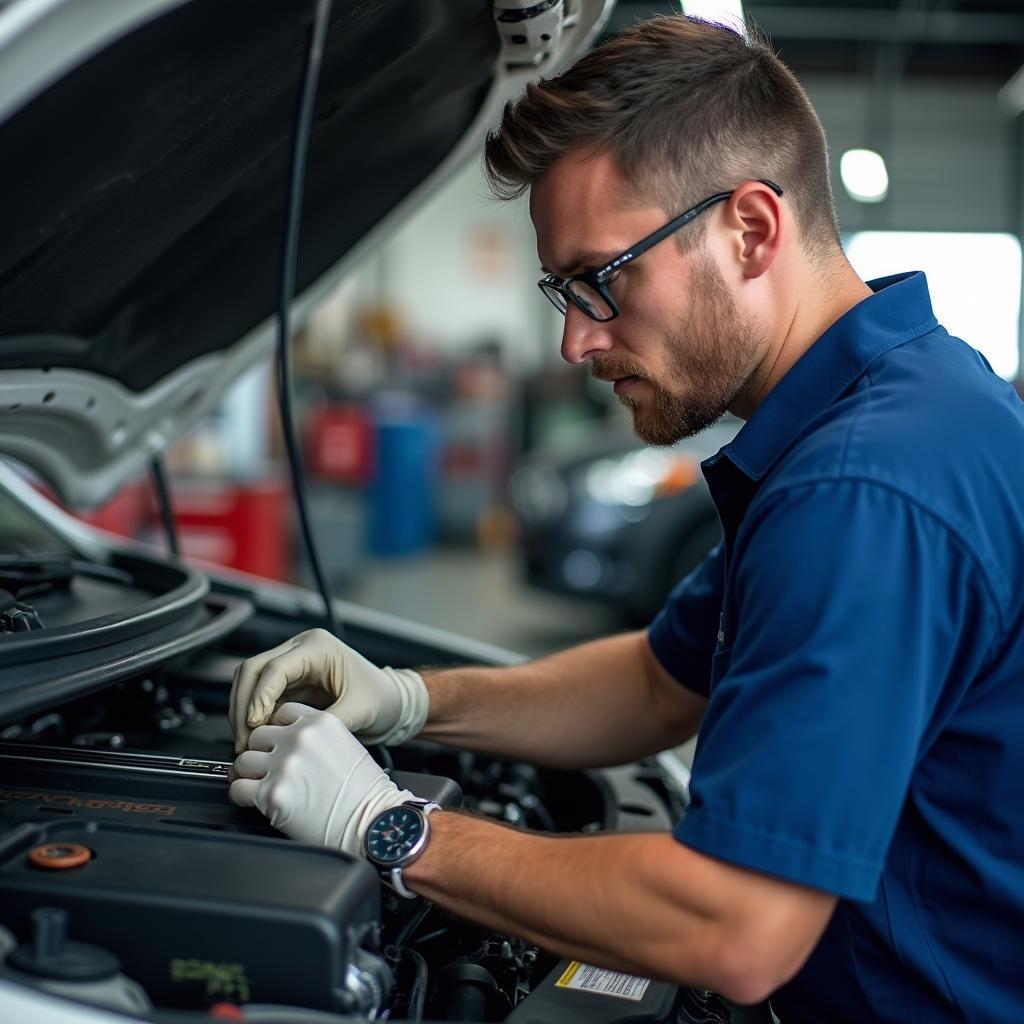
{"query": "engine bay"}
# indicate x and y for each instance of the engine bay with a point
(127, 878)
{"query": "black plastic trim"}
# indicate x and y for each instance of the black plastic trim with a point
(187, 589)
(525, 14)
(32, 688)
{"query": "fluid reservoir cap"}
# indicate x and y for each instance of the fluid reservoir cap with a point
(58, 856)
(51, 955)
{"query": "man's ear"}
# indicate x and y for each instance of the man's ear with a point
(755, 216)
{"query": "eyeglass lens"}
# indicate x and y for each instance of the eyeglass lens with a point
(558, 300)
(592, 301)
(589, 299)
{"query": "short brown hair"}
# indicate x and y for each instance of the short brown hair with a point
(687, 108)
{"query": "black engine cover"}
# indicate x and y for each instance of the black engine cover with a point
(201, 900)
(200, 917)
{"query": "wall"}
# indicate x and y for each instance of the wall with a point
(949, 149)
(464, 267)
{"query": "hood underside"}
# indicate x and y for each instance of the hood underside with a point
(144, 194)
(150, 198)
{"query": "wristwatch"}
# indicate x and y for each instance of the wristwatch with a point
(397, 837)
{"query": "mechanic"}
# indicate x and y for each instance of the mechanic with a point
(853, 653)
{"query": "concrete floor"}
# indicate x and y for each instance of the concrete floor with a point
(479, 594)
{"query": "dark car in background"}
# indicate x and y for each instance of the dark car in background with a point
(612, 521)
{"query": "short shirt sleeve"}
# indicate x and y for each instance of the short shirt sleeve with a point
(857, 616)
(684, 633)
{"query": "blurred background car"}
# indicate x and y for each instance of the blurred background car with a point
(613, 521)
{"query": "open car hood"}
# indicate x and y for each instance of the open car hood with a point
(146, 150)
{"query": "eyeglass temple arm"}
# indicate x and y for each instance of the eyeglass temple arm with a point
(674, 225)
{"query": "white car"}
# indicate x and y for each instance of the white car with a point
(146, 153)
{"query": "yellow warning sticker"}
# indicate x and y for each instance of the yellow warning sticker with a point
(584, 978)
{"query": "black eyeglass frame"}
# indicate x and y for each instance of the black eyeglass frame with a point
(556, 288)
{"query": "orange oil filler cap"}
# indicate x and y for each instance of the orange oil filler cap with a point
(59, 856)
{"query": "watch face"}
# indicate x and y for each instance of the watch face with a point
(394, 834)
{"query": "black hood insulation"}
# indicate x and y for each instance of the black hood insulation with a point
(144, 193)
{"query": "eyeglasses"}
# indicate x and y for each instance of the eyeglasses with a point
(589, 290)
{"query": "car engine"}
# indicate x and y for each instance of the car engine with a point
(128, 880)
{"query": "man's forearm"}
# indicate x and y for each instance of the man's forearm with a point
(641, 903)
(491, 874)
(602, 703)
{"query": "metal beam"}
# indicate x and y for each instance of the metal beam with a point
(904, 25)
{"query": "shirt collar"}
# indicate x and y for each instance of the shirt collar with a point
(900, 309)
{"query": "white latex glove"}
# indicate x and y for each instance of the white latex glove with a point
(313, 780)
(380, 705)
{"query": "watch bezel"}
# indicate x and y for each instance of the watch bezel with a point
(416, 848)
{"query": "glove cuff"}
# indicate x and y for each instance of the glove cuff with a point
(415, 706)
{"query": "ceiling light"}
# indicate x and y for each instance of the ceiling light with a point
(864, 175)
(719, 12)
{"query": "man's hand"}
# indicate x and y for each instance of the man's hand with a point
(379, 705)
(313, 779)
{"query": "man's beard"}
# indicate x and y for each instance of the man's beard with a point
(709, 360)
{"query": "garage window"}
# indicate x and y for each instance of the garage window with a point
(974, 279)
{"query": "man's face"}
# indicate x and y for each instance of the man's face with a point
(680, 351)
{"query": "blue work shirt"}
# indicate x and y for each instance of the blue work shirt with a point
(860, 634)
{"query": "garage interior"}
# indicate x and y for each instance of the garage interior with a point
(441, 336)
(457, 474)
(429, 387)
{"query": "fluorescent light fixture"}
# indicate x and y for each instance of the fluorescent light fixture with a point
(864, 175)
(974, 279)
(719, 12)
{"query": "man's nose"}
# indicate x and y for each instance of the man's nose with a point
(582, 337)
